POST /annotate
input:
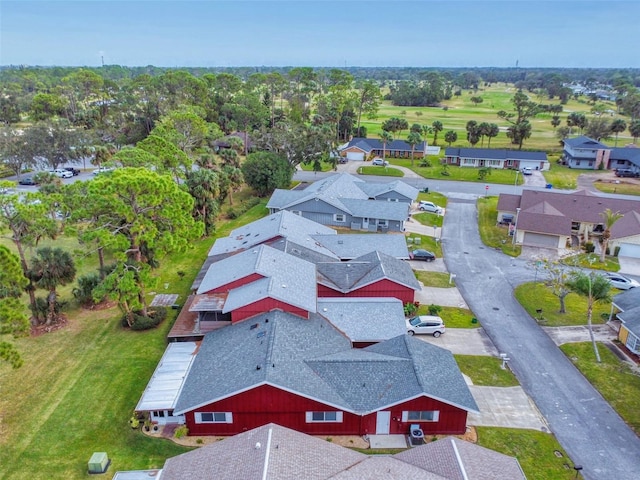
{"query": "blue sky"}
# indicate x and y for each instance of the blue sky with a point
(560, 33)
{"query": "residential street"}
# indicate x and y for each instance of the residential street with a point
(584, 423)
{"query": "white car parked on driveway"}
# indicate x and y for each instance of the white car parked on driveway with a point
(62, 173)
(427, 206)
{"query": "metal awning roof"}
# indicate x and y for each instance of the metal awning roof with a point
(167, 380)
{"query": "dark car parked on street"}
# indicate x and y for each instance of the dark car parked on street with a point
(421, 254)
(626, 172)
(73, 170)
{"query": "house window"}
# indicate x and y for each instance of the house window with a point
(633, 343)
(575, 225)
(469, 161)
(577, 162)
(421, 416)
(214, 417)
(158, 413)
(323, 417)
(296, 212)
(393, 199)
(339, 217)
(383, 223)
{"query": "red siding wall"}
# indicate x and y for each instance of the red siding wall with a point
(266, 404)
(452, 420)
(237, 283)
(383, 288)
(263, 306)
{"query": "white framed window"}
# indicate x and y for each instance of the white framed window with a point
(421, 416)
(339, 217)
(214, 417)
(469, 161)
(323, 417)
(493, 163)
(393, 199)
(383, 223)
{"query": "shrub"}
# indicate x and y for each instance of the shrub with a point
(410, 309)
(41, 308)
(83, 293)
(181, 431)
(616, 251)
(589, 247)
(140, 322)
(434, 309)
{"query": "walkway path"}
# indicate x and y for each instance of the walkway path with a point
(591, 432)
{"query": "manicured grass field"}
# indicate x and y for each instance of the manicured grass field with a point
(592, 260)
(380, 171)
(493, 235)
(426, 243)
(456, 317)
(430, 219)
(485, 371)
(617, 383)
(534, 296)
(621, 188)
(79, 385)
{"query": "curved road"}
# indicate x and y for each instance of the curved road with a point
(591, 432)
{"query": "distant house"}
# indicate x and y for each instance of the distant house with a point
(366, 148)
(305, 375)
(278, 453)
(626, 157)
(628, 305)
(542, 218)
(496, 158)
(343, 200)
(372, 275)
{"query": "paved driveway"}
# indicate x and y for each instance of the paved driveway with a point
(591, 432)
(629, 265)
(463, 341)
(507, 407)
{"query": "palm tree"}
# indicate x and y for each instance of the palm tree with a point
(618, 126)
(50, 268)
(437, 128)
(597, 289)
(385, 137)
(492, 132)
(634, 130)
(609, 218)
(414, 139)
(451, 137)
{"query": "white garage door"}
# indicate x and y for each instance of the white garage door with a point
(540, 240)
(355, 155)
(629, 250)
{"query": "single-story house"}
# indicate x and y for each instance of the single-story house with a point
(343, 200)
(256, 281)
(360, 148)
(371, 275)
(280, 453)
(625, 157)
(496, 158)
(542, 218)
(305, 375)
(628, 305)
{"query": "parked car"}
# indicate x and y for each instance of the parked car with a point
(343, 160)
(100, 170)
(74, 171)
(626, 172)
(527, 171)
(379, 161)
(425, 324)
(620, 282)
(427, 206)
(62, 173)
(27, 181)
(420, 254)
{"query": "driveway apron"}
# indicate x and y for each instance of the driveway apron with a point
(591, 432)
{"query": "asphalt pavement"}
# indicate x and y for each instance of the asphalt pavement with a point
(591, 432)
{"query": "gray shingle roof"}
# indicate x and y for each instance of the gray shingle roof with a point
(368, 144)
(631, 320)
(495, 154)
(365, 319)
(283, 454)
(456, 459)
(285, 277)
(365, 270)
(313, 359)
(374, 190)
(582, 142)
(630, 154)
(350, 246)
(628, 299)
(345, 192)
(382, 467)
(281, 224)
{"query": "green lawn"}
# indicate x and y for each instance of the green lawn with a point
(534, 296)
(454, 317)
(562, 177)
(486, 371)
(534, 450)
(434, 279)
(617, 383)
(426, 243)
(592, 260)
(493, 235)
(79, 385)
(435, 197)
(380, 171)
(430, 219)
(623, 188)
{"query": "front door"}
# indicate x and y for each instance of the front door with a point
(383, 422)
(365, 224)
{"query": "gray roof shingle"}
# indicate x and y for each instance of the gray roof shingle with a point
(583, 142)
(353, 245)
(495, 154)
